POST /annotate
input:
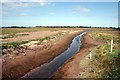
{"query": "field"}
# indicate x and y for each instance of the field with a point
(24, 49)
(33, 29)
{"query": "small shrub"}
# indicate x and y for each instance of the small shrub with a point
(13, 44)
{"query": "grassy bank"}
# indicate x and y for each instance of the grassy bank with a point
(104, 63)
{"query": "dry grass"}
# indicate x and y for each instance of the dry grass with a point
(104, 64)
(33, 29)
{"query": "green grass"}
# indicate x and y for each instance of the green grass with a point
(105, 61)
(45, 38)
(16, 45)
(42, 39)
(13, 44)
(105, 37)
(13, 35)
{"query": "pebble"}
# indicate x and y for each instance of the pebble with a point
(3, 60)
(15, 52)
(24, 54)
(4, 50)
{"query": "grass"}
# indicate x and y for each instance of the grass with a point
(17, 45)
(13, 44)
(13, 35)
(55, 37)
(33, 29)
(42, 39)
(19, 30)
(45, 38)
(104, 63)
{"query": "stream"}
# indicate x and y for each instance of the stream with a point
(48, 69)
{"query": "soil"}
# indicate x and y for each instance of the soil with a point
(20, 65)
(32, 35)
(71, 68)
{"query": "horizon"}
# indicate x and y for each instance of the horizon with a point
(57, 26)
(99, 14)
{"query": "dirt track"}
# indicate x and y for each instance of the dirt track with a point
(71, 68)
(15, 68)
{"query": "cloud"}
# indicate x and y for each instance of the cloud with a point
(3, 1)
(42, 2)
(20, 6)
(22, 2)
(80, 9)
(52, 13)
(17, 4)
(23, 14)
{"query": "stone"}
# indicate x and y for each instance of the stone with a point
(15, 52)
(24, 54)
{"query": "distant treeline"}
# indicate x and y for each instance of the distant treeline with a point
(75, 27)
(49, 27)
(64, 26)
(61, 27)
(16, 27)
(72, 27)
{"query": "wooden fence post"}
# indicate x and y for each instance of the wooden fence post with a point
(111, 45)
(90, 55)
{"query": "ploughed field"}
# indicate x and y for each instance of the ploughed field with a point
(24, 49)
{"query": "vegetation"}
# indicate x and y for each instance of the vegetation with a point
(13, 44)
(13, 36)
(10, 47)
(14, 29)
(18, 30)
(33, 29)
(104, 63)
(18, 45)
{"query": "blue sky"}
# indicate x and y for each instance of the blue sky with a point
(98, 14)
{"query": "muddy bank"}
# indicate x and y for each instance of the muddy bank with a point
(71, 68)
(15, 68)
(48, 69)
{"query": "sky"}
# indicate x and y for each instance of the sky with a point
(96, 14)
